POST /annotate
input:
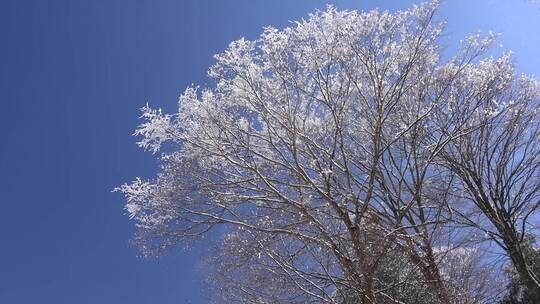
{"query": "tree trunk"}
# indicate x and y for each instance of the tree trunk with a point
(528, 278)
(431, 273)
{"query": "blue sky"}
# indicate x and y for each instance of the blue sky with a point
(73, 75)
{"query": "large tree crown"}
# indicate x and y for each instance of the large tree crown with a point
(347, 127)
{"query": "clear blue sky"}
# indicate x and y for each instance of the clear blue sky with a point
(73, 75)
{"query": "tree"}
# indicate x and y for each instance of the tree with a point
(328, 151)
(497, 160)
(518, 290)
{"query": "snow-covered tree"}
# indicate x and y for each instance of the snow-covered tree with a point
(329, 151)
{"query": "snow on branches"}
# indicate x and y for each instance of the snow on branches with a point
(332, 145)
